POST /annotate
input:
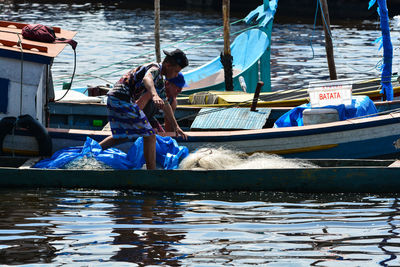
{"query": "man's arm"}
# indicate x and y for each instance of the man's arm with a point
(169, 114)
(143, 100)
(149, 84)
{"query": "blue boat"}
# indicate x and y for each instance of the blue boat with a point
(251, 56)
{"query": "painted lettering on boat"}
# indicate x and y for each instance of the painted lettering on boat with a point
(333, 95)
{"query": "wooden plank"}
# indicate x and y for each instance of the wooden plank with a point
(233, 118)
(9, 31)
(18, 25)
(24, 45)
(395, 164)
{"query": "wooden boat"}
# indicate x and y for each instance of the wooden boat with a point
(287, 98)
(357, 138)
(373, 137)
(363, 176)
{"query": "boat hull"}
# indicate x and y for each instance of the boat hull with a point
(375, 137)
(377, 179)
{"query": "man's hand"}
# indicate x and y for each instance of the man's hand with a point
(158, 101)
(179, 132)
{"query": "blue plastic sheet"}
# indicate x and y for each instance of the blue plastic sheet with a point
(168, 155)
(360, 106)
(386, 75)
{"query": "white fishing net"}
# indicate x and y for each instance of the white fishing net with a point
(86, 163)
(222, 159)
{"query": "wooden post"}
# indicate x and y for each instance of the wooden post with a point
(225, 13)
(256, 95)
(226, 58)
(328, 40)
(157, 29)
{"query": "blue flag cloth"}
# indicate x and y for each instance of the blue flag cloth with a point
(386, 76)
(168, 155)
(263, 14)
(360, 106)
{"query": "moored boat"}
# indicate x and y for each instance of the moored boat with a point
(372, 176)
(373, 137)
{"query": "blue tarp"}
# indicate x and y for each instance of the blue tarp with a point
(168, 155)
(360, 106)
(386, 76)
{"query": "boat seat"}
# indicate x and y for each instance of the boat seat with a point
(230, 119)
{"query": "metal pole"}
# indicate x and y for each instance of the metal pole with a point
(328, 40)
(226, 58)
(157, 29)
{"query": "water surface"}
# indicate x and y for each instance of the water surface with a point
(113, 40)
(81, 228)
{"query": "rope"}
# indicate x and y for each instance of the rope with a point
(22, 72)
(377, 65)
(152, 52)
(397, 110)
(264, 98)
(72, 78)
(312, 34)
(88, 75)
(326, 24)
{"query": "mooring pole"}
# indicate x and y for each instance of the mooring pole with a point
(328, 40)
(226, 57)
(157, 29)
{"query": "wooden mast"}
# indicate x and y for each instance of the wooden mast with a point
(157, 29)
(328, 40)
(226, 57)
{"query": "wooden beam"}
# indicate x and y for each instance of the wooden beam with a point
(226, 58)
(24, 45)
(157, 29)
(17, 25)
(328, 40)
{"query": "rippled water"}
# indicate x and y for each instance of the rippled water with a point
(82, 228)
(112, 40)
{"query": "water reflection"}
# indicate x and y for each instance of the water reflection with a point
(110, 227)
(392, 234)
(21, 241)
(147, 244)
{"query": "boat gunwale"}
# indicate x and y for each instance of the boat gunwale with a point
(338, 126)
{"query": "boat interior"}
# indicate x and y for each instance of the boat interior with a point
(25, 162)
